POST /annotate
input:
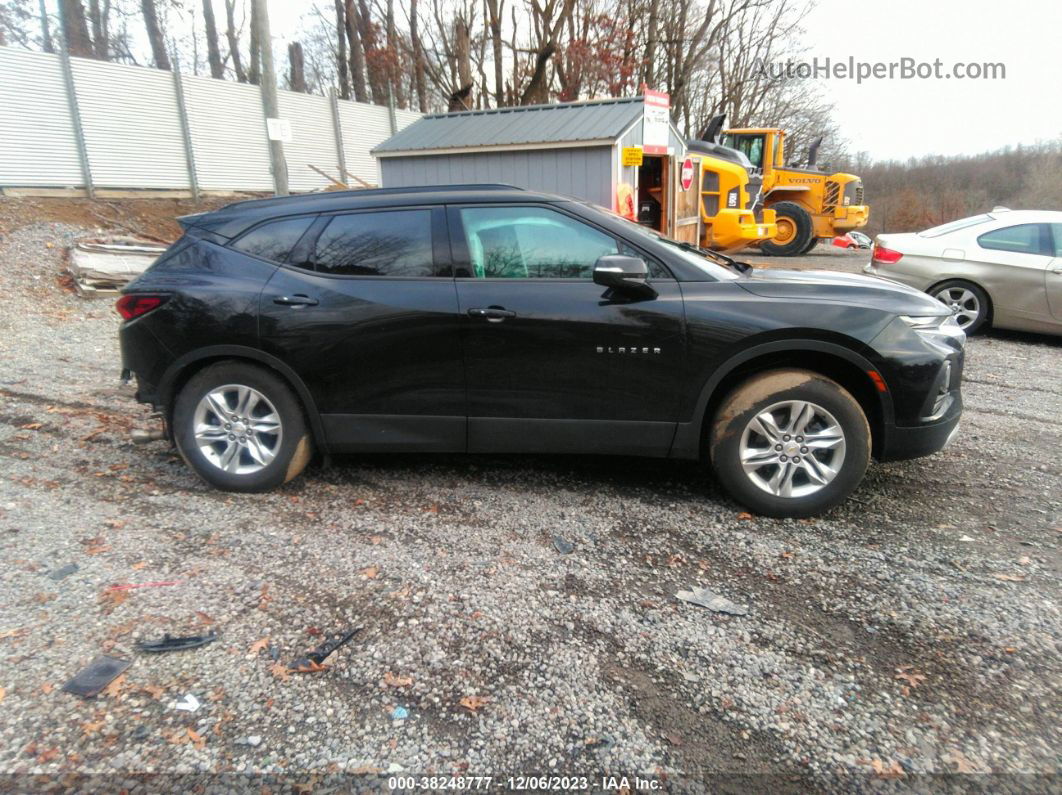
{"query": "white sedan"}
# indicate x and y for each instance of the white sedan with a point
(1002, 268)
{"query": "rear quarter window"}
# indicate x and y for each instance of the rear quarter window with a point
(274, 240)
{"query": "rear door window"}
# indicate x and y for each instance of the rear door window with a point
(378, 243)
(274, 240)
(1021, 239)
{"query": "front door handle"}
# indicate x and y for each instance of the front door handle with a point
(493, 314)
(295, 300)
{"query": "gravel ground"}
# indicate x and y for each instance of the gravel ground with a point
(913, 631)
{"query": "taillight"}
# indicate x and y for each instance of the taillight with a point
(134, 305)
(885, 256)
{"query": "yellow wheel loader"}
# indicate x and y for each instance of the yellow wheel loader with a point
(809, 204)
(728, 192)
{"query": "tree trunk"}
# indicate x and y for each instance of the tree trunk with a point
(419, 78)
(46, 30)
(341, 51)
(375, 64)
(296, 68)
(650, 43)
(357, 55)
(536, 92)
(254, 74)
(100, 39)
(394, 74)
(234, 40)
(75, 29)
(495, 9)
(463, 56)
(217, 68)
(155, 35)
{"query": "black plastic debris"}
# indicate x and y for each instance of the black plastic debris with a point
(99, 673)
(313, 661)
(170, 643)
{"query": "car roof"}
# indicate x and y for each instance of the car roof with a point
(232, 219)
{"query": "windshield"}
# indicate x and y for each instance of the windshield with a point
(684, 250)
(955, 226)
(749, 145)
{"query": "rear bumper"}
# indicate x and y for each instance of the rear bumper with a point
(914, 441)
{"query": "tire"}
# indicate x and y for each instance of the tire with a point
(968, 302)
(795, 231)
(811, 245)
(739, 432)
(276, 444)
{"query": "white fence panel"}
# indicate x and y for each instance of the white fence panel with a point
(38, 147)
(228, 134)
(364, 126)
(313, 140)
(132, 130)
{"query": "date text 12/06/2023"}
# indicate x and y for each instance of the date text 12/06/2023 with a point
(526, 783)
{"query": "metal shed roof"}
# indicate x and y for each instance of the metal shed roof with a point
(528, 126)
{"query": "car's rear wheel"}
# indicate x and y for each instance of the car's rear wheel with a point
(241, 428)
(790, 443)
(967, 302)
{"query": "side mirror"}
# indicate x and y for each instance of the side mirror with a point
(624, 274)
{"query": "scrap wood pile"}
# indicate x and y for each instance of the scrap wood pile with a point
(106, 264)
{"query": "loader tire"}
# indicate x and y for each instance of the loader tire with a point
(795, 231)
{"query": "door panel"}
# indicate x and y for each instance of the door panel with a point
(1014, 279)
(381, 355)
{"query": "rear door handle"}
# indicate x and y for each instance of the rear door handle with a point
(295, 300)
(494, 314)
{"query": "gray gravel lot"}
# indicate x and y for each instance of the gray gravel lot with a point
(914, 630)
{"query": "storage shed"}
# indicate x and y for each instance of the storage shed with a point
(575, 148)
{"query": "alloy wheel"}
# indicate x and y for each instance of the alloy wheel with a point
(963, 304)
(237, 429)
(792, 449)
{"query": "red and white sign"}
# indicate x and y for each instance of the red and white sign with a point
(656, 120)
(686, 174)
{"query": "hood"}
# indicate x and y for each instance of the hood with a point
(846, 288)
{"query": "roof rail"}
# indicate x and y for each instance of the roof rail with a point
(322, 195)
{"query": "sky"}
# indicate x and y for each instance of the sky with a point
(909, 118)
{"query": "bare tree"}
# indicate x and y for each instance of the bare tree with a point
(420, 82)
(155, 35)
(233, 38)
(296, 68)
(341, 51)
(217, 67)
(254, 72)
(357, 55)
(75, 29)
(548, 19)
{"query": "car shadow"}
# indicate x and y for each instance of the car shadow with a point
(1028, 337)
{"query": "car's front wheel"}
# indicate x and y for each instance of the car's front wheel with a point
(790, 443)
(241, 428)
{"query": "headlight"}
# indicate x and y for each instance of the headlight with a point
(936, 327)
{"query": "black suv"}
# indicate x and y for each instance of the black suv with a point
(488, 319)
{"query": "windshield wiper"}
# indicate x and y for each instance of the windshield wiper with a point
(715, 256)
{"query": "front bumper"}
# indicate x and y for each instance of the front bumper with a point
(735, 229)
(902, 442)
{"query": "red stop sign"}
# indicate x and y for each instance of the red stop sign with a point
(686, 175)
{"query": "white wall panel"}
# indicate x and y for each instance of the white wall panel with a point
(228, 134)
(313, 140)
(364, 126)
(37, 143)
(132, 130)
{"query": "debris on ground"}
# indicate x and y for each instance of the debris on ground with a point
(562, 545)
(400, 713)
(63, 572)
(187, 704)
(106, 264)
(713, 601)
(171, 643)
(94, 677)
(313, 661)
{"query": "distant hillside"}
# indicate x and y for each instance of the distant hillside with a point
(917, 194)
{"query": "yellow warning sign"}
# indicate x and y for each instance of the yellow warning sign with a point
(632, 155)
